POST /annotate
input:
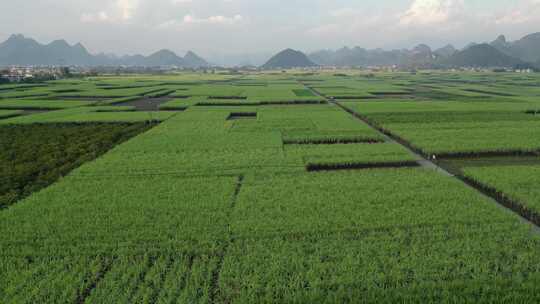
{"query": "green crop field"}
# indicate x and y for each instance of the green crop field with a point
(260, 187)
(9, 113)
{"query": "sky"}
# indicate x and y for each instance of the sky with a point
(235, 27)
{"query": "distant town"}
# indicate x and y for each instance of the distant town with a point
(30, 74)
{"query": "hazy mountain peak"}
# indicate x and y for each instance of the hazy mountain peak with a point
(164, 52)
(482, 55)
(423, 48)
(446, 51)
(59, 43)
(469, 45)
(289, 58)
(16, 37)
(501, 39)
(448, 47)
(527, 48)
(193, 60)
(532, 36)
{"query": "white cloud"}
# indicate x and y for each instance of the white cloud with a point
(427, 12)
(190, 19)
(513, 17)
(121, 11)
(520, 14)
(95, 17)
(126, 8)
(344, 12)
(193, 20)
(177, 2)
(325, 30)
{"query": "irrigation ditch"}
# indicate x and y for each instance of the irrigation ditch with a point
(424, 160)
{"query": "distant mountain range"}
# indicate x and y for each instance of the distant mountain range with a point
(498, 53)
(481, 55)
(19, 50)
(526, 49)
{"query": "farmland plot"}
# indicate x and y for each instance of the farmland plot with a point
(221, 202)
(34, 156)
(381, 235)
(518, 184)
(147, 233)
(456, 127)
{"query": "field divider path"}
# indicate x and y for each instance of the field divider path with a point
(214, 284)
(424, 161)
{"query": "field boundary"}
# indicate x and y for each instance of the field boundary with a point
(492, 194)
(465, 155)
(316, 167)
(332, 141)
(260, 103)
(503, 199)
(11, 115)
(216, 274)
(242, 115)
(31, 108)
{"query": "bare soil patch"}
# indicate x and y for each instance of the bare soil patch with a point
(146, 104)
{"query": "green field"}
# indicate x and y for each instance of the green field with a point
(288, 187)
